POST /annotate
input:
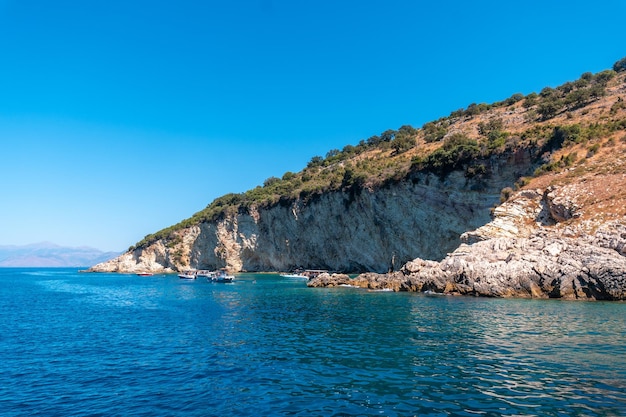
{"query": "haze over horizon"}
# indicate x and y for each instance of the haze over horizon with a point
(119, 119)
(47, 254)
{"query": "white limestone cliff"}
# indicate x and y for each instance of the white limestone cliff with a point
(366, 230)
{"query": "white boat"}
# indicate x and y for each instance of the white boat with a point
(205, 274)
(299, 276)
(222, 276)
(190, 274)
(306, 274)
(296, 273)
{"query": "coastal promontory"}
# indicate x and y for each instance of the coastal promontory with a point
(525, 197)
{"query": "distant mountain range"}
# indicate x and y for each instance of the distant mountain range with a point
(48, 254)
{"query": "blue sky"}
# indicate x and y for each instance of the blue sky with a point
(120, 118)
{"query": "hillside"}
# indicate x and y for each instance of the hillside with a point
(412, 192)
(592, 107)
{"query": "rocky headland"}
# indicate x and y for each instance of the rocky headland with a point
(522, 253)
(522, 198)
(369, 230)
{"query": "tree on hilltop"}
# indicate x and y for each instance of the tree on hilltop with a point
(620, 65)
(388, 135)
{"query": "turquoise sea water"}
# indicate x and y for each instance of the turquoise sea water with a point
(110, 344)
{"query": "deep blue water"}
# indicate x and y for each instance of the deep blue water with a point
(111, 344)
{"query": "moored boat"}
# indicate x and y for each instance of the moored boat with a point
(206, 274)
(314, 273)
(305, 274)
(222, 276)
(189, 274)
(296, 275)
(144, 274)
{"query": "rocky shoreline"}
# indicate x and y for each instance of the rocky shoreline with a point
(527, 268)
(529, 250)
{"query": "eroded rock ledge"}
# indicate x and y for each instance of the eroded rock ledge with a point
(523, 252)
(528, 267)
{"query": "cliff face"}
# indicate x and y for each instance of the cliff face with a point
(366, 230)
(519, 254)
(562, 241)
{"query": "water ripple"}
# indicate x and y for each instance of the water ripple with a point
(105, 344)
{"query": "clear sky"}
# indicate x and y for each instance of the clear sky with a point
(119, 118)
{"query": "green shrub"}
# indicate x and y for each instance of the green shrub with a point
(514, 99)
(457, 150)
(492, 125)
(505, 194)
(560, 135)
(476, 109)
(522, 182)
(352, 178)
(578, 98)
(402, 143)
(496, 140)
(596, 131)
(587, 76)
(349, 150)
(473, 171)
(434, 132)
(592, 150)
(618, 105)
(620, 65)
(604, 77)
(547, 92)
(373, 140)
(549, 108)
(332, 153)
(456, 114)
(530, 100)
(388, 135)
(582, 82)
(569, 159)
(270, 181)
(547, 167)
(315, 162)
(407, 130)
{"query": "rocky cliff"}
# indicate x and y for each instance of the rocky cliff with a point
(566, 241)
(365, 230)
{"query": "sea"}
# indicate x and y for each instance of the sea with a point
(83, 344)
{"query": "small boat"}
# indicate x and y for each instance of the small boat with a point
(222, 276)
(296, 273)
(306, 274)
(314, 273)
(206, 274)
(144, 274)
(190, 274)
(300, 276)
